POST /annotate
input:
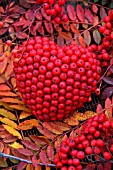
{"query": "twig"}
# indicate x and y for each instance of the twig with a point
(23, 160)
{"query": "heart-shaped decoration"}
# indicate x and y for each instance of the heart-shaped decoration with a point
(55, 81)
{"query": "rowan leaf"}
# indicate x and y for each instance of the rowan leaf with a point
(71, 12)
(1, 46)
(21, 166)
(74, 28)
(46, 132)
(3, 163)
(3, 64)
(43, 157)
(10, 94)
(16, 145)
(102, 13)
(8, 122)
(94, 8)
(107, 166)
(50, 152)
(99, 108)
(29, 144)
(38, 15)
(52, 127)
(7, 114)
(47, 17)
(11, 100)
(71, 121)
(24, 4)
(108, 108)
(1, 147)
(87, 37)
(10, 139)
(107, 92)
(66, 36)
(39, 140)
(28, 124)
(60, 41)
(17, 154)
(62, 126)
(89, 15)
(12, 131)
(80, 13)
(79, 116)
(20, 107)
(66, 25)
(25, 152)
(9, 70)
(95, 20)
(4, 87)
(89, 114)
(24, 115)
(97, 36)
(4, 134)
(82, 41)
(48, 26)
(3, 31)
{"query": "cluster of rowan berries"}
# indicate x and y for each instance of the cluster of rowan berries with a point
(95, 139)
(54, 9)
(54, 82)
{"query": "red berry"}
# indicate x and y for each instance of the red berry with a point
(107, 155)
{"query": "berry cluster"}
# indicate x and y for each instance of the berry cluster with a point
(107, 41)
(95, 138)
(54, 9)
(54, 82)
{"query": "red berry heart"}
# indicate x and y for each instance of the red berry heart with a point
(54, 81)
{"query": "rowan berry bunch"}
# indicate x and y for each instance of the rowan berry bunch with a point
(54, 82)
(105, 48)
(54, 9)
(95, 139)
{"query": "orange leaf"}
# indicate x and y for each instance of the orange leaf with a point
(10, 94)
(74, 28)
(9, 70)
(82, 41)
(2, 79)
(52, 127)
(24, 114)
(13, 82)
(4, 87)
(1, 46)
(65, 35)
(94, 8)
(80, 12)
(87, 37)
(39, 140)
(96, 20)
(20, 107)
(28, 124)
(11, 100)
(71, 121)
(1, 147)
(3, 64)
(62, 126)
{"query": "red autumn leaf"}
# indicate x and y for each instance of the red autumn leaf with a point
(29, 144)
(66, 25)
(22, 35)
(107, 92)
(2, 10)
(37, 27)
(57, 27)
(17, 154)
(38, 15)
(100, 167)
(90, 166)
(34, 161)
(99, 108)
(39, 140)
(102, 13)
(89, 15)
(80, 12)
(107, 166)
(82, 41)
(74, 28)
(29, 14)
(66, 36)
(71, 12)
(94, 8)
(10, 139)
(19, 23)
(11, 32)
(48, 26)
(50, 152)
(25, 152)
(17, 9)
(107, 106)
(43, 157)
(46, 132)
(60, 41)
(3, 31)
(24, 4)
(47, 17)
(21, 166)
(95, 20)
(87, 37)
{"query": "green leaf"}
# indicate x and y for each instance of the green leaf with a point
(104, 2)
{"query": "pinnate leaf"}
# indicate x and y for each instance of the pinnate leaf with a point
(62, 126)
(82, 41)
(3, 163)
(94, 8)
(66, 36)
(87, 37)
(80, 13)
(24, 115)
(29, 144)
(8, 94)
(60, 41)
(52, 127)
(8, 122)
(12, 131)
(48, 26)
(20, 107)
(21, 166)
(71, 121)
(39, 140)
(102, 13)
(96, 36)
(50, 152)
(28, 124)
(38, 15)
(10, 139)
(11, 100)
(1, 147)
(108, 80)
(107, 92)
(71, 12)
(109, 109)
(24, 151)
(16, 145)
(43, 157)
(3, 64)
(7, 114)
(46, 132)
(4, 87)
(3, 31)
(99, 108)
(89, 15)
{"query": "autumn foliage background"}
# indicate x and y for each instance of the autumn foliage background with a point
(21, 134)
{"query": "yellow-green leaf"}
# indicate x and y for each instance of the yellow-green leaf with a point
(20, 107)
(8, 122)
(16, 145)
(7, 114)
(12, 131)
